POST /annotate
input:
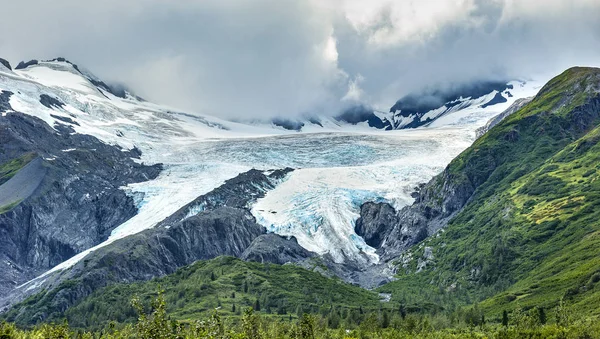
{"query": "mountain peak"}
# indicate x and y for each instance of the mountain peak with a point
(64, 65)
(573, 81)
(435, 97)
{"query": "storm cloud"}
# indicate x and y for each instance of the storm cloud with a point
(250, 59)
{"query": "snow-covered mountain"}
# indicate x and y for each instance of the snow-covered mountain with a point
(340, 162)
(415, 109)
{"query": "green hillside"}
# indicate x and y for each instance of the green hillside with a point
(225, 283)
(530, 234)
(10, 168)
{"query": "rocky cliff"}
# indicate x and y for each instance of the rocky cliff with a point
(62, 194)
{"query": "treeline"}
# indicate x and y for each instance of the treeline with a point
(153, 322)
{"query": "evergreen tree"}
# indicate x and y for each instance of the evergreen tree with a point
(504, 318)
(542, 316)
(233, 308)
(385, 320)
(212, 276)
(402, 311)
(333, 321)
(257, 305)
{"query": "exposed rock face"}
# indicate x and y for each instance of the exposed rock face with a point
(374, 221)
(50, 102)
(414, 106)
(276, 249)
(358, 114)
(214, 224)
(288, 124)
(517, 105)
(5, 63)
(64, 201)
(24, 64)
(395, 231)
(160, 251)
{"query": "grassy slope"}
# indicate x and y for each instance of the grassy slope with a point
(10, 168)
(191, 293)
(531, 234)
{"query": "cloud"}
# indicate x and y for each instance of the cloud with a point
(470, 40)
(263, 58)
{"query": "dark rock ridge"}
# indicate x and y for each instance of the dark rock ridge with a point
(415, 105)
(23, 64)
(434, 98)
(238, 192)
(5, 101)
(373, 222)
(5, 63)
(358, 114)
(276, 249)
(497, 99)
(288, 124)
(315, 121)
(67, 120)
(223, 226)
(50, 102)
(517, 105)
(68, 201)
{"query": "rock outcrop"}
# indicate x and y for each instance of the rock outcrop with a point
(5, 63)
(67, 199)
(392, 232)
(276, 249)
(517, 105)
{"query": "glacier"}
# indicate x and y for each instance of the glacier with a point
(338, 167)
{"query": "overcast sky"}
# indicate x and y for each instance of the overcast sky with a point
(264, 58)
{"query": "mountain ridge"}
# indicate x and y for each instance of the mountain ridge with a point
(517, 177)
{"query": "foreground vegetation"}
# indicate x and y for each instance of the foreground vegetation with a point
(194, 291)
(155, 323)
